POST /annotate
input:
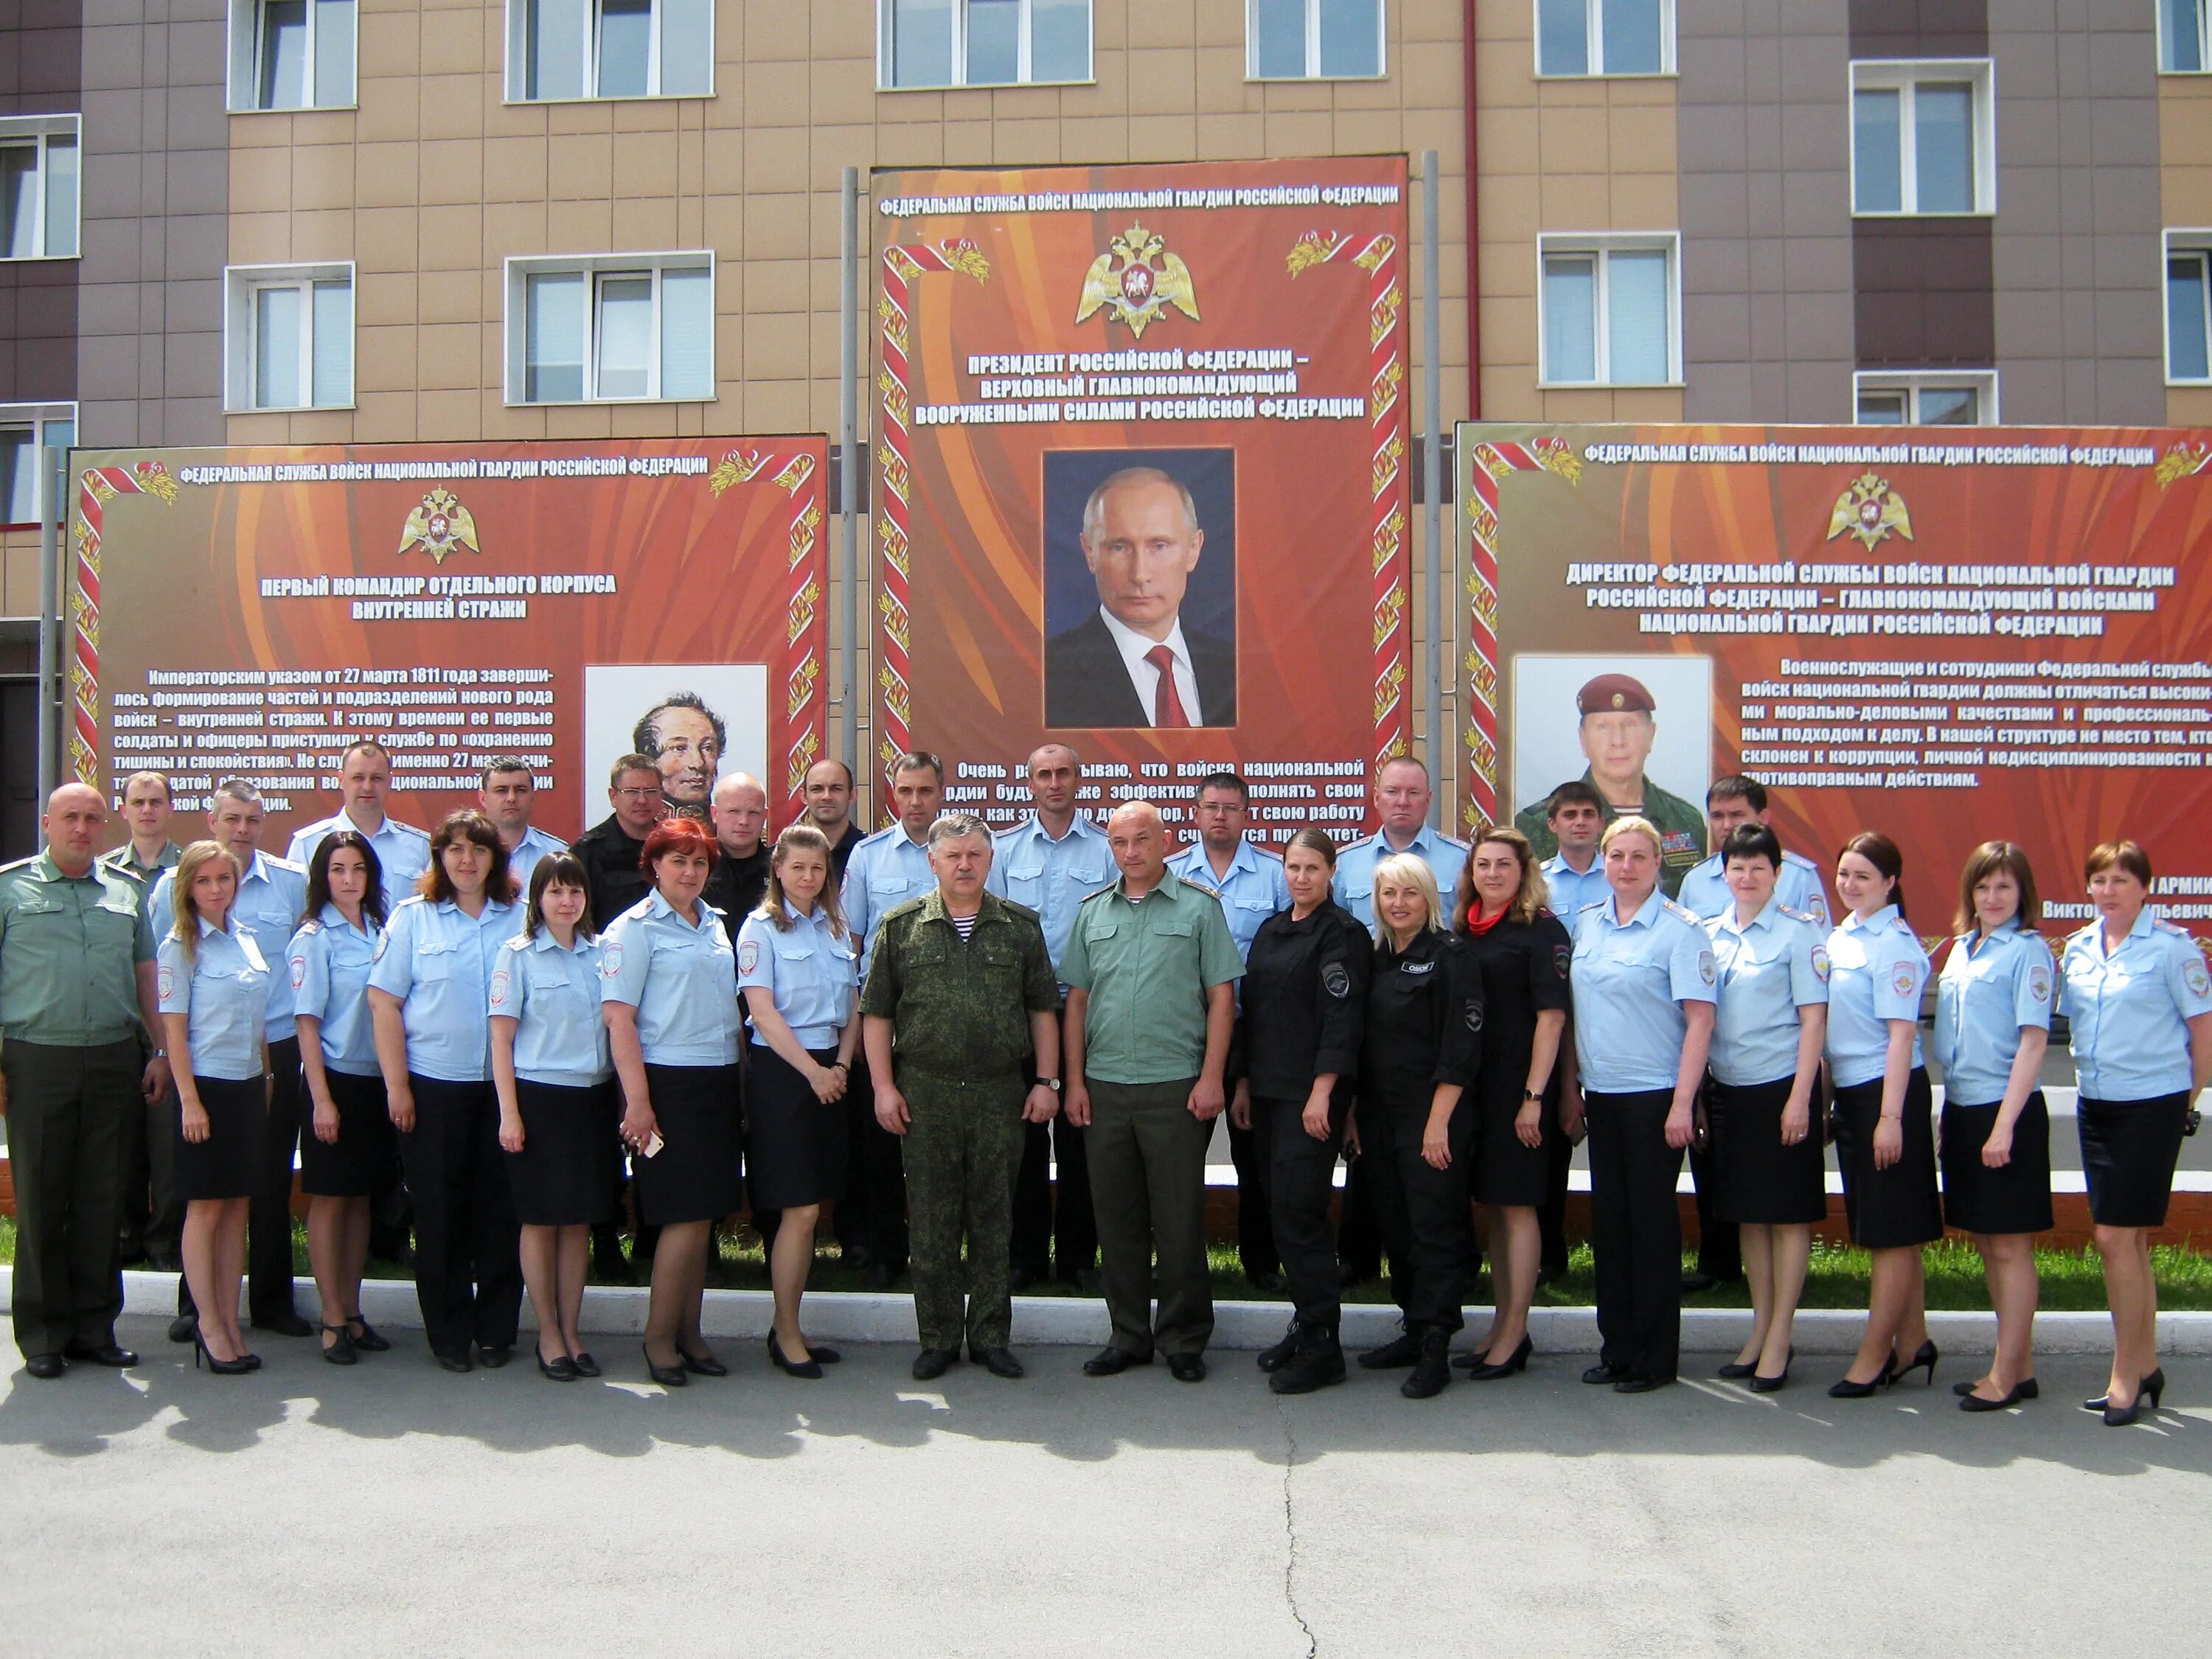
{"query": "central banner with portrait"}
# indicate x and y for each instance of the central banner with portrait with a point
(1142, 480)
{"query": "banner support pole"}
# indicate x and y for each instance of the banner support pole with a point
(53, 470)
(848, 469)
(1432, 490)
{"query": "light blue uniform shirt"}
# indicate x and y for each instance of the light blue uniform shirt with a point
(886, 870)
(523, 859)
(1989, 987)
(810, 968)
(271, 895)
(1768, 972)
(1705, 892)
(402, 852)
(1050, 877)
(438, 959)
(1354, 885)
(1253, 890)
(1573, 889)
(1876, 970)
(2128, 1009)
(329, 974)
(1629, 980)
(681, 979)
(552, 995)
(224, 991)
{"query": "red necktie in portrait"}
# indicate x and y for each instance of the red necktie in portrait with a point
(1166, 706)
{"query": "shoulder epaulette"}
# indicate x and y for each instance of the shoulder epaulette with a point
(1584, 909)
(18, 864)
(903, 908)
(407, 830)
(412, 898)
(2164, 926)
(1788, 857)
(1687, 915)
(1798, 915)
(291, 865)
(311, 925)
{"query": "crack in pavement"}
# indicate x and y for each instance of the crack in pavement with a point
(1291, 1529)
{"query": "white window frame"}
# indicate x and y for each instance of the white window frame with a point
(1602, 244)
(1593, 23)
(2181, 241)
(1913, 382)
(241, 343)
(1902, 74)
(886, 55)
(518, 59)
(37, 129)
(1313, 71)
(595, 267)
(245, 89)
(2203, 45)
(38, 417)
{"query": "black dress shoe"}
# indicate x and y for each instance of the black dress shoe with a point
(455, 1363)
(184, 1328)
(669, 1376)
(286, 1324)
(1636, 1385)
(810, 1368)
(1112, 1362)
(585, 1365)
(705, 1365)
(1000, 1362)
(1599, 1374)
(106, 1354)
(933, 1363)
(1187, 1367)
(45, 1366)
(563, 1369)
(1736, 1370)
(823, 1356)
(492, 1356)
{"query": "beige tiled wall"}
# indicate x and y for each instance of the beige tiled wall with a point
(2184, 146)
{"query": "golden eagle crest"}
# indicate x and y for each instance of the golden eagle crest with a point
(1136, 281)
(438, 526)
(1870, 510)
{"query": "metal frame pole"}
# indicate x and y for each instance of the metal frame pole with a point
(52, 494)
(848, 356)
(1432, 485)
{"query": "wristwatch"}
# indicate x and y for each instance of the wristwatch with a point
(1532, 1094)
(1051, 1082)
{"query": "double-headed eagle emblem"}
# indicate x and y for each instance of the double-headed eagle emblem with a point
(1871, 511)
(1136, 280)
(438, 526)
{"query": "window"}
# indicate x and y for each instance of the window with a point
(1609, 311)
(1945, 399)
(289, 340)
(26, 429)
(38, 187)
(981, 42)
(614, 328)
(2183, 47)
(292, 54)
(1924, 138)
(571, 49)
(1314, 40)
(2189, 308)
(1605, 37)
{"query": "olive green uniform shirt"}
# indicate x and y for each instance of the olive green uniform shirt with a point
(959, 1008)
(124, 863)
(1682, 830)
(69, 948)
(1147, 967)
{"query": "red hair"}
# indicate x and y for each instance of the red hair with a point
(675, 835)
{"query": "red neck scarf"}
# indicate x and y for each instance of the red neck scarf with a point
(1476, 927)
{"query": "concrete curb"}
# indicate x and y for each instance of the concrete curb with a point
(1080, 1322)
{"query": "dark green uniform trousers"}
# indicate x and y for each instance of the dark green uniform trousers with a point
(67, 1109)
(1148, 1188)
(963, 1144)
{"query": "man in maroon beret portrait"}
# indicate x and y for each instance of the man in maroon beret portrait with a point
(1619, 722)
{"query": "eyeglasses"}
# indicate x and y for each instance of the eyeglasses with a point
(652, 793)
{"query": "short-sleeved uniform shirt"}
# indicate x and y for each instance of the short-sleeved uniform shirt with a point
(682, 978)
(1524, 967)
(1253, 889)
(886, 870)
(402, 852)
(552, 995)
(328, 970)
(1770, 969)
(437, 959)
(1050, 878)
(959, 1009)
(809, 966)
(222, 990)
(1876, 971)
(1705, 893)
(1572, 890)
(1681, 829)
(70, 947)
(2129, 1009)
(1991, 987)
(1354, 883)
(1630, 979)
(1147, 967)
(523, 858)
(272, 894)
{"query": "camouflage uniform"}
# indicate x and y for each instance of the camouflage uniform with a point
(960, 1045)
(1681, 829)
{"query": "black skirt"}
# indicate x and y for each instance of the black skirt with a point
(565, 1174)
(1900, 1207)
(1758, 1182)
(2128, 1150)
(228, 1163)
(2015, 1199)
(696, 1174)
(1507, 1173)
(794, 1144)
(364, 1160)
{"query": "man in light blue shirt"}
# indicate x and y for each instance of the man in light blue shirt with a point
(402, 852)
(1051, 862)
(505, 795)
(1575, 814)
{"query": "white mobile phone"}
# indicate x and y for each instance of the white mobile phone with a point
(653, 1145)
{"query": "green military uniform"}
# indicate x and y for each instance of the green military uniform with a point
(70, 1048)
(960, 1045)
(153, 1216)
(1145, 968)
(124, 862)
(1681, 831)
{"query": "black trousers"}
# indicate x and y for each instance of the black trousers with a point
(153, 1224)
(67, 1113)
(1358, 1235)
(1720, 1252)
(468, 1274)
(1552, 1214)
(871, 1216)
(1297, 1174)
(1424, 1214)
(1255, 1235)
(269, 1216)
(1055, 1227)
(1636, 1232)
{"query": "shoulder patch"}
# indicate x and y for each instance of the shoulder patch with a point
(1706, 970)
(2039, 982)
(1336, 979)
(1562, 958)
(1821, 965)
(2194, 975)
(166, 983)
(748, 956)
(383, 940)
(502, 983)
(1904, 978)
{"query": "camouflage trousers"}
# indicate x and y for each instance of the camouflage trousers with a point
(963, 1148)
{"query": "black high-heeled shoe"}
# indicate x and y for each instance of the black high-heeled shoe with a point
(1971, 1401)
(2029, 1388)
(1844, 1389)
(1773, 1384)
(669, 1376)
(1736, 1370)
(2152, 1388)
(701, 1365)
(1484, 1371)
(237, 1367)
(1925, 1355)
(340, 1352)
(809, 1368)
(563, 1369)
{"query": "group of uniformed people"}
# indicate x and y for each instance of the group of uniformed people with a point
(462, 1007)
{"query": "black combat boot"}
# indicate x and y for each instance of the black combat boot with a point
(1274, 1358)
(1318, 1362)
(1433, 1369)
(1403, 1349)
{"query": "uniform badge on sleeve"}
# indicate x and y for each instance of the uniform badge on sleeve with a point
(382, 939)
(749, 956)
(2038, 984)
(1561, 956)
(299, 972)
(1904, 979)
(1821, 965)
(499, 988)
(2198, 980)
(1705, 971)
(1475, 1017)
(1336, 979)
(166, 983)
(610, 960)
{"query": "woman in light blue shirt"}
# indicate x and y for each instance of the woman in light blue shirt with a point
(348, 1152)
(668, 991)
(550, 1064)
(428, 990)
(1642, 980)
(213, 983)
(1992, 1021)
(795, 968)
(2138, 1000)
(1884, 1123)
(1764, 1156)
